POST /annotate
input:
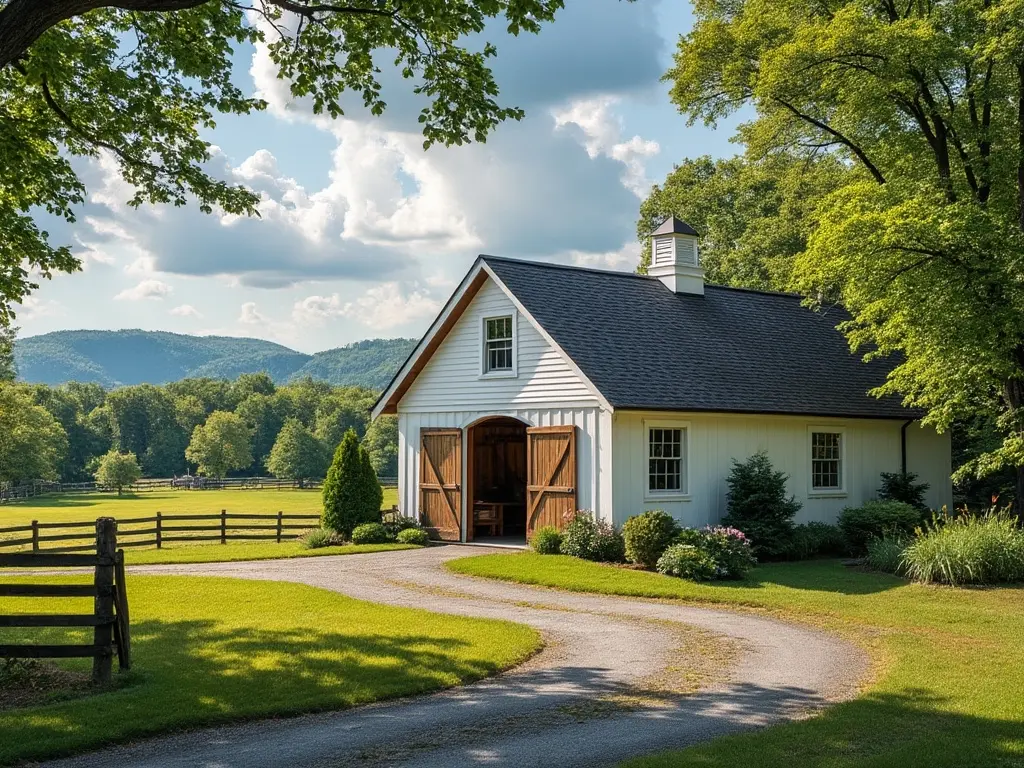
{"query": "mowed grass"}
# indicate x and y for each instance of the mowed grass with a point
(86, 507)
(948, 687)
(76, 507)
(215, 650)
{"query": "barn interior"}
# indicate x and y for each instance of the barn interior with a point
(497, 474)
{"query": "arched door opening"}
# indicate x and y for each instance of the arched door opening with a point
(496, 481)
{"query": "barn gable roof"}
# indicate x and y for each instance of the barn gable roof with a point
(643, 347)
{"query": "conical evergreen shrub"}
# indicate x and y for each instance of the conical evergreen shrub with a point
(350, 499)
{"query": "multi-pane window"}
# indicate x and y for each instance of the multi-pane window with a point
(665, 447)
(498, 344)
(826, 461)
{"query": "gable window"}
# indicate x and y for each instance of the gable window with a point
(666, 460)
(499, 345)
(826, 460)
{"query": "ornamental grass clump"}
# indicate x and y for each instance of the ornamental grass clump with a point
(972, 549)
(885, 553)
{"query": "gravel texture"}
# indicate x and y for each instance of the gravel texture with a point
(616, 679)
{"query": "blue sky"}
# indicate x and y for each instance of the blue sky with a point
(363, 234)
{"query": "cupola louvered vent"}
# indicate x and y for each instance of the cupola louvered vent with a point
(675, 259)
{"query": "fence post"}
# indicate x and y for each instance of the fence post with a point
(223, 526)
(103, 605)
(35, 535)
(159, 530)
(280, 525)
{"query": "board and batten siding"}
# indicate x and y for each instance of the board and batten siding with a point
(546, 391)
(714, 440)
(451, 379)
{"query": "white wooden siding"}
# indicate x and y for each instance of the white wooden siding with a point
(593, 491)
(451, 379)
(871, 447)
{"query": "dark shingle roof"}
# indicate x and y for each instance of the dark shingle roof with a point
(731, 350)
(674, 226)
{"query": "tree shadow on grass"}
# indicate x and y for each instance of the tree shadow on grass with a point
(907, 729)
(192, 673)
(817, 576)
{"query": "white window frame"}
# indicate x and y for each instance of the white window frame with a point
(513, 372)
(683, 494)
(844, 468)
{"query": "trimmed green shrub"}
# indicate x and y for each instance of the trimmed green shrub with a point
(320, 537)
(876, 519)
(395, 522)
(413, 536)
(900, 486)
(591, 539)
(972, 549)
(546, 540)
(647, 536)
(815, 540)
(686, 561)
(370, 533)
(351, 497)
(758, 505)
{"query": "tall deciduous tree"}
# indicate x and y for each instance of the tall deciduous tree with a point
(381, 443)
(32, 443)
(220, 445)
(927, 101)
(8, 368)
(143, 79)
(297, 454)
(753, 215)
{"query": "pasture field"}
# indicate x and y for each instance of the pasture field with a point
(86, 507)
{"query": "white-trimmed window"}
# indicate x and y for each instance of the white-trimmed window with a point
(827, 449)
(499, 345)
(666, 459)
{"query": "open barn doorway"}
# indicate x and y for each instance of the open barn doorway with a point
(496, 473)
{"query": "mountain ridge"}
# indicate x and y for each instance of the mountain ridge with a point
(133, 356)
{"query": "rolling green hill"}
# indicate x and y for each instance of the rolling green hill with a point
(116, 358)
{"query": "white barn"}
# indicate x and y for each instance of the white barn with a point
(541, 389)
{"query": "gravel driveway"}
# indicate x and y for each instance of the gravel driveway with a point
(608, 685)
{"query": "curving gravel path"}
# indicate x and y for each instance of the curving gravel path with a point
(605, 687)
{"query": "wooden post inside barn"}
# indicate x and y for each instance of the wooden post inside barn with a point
(103, 608)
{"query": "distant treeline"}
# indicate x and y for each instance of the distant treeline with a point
(59, 433)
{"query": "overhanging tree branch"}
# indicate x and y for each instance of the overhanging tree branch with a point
(860, 153)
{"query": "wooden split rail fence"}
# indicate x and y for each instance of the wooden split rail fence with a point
(109, 617)
(161, 529)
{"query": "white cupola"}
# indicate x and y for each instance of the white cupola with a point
(674, 257)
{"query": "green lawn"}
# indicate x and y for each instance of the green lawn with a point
(89, 506)
(949, 685)
(212, 650)
(71, 507)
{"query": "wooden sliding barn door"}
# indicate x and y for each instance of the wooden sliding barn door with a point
(441, 482)
(551, 476)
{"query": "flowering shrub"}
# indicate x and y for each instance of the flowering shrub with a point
(685, 561)
(731, 551)
(727, 549)
(591, 539)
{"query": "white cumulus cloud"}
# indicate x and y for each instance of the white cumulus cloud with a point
(147, 289)
(250, 316)
(388, 306)
(185, 310)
